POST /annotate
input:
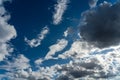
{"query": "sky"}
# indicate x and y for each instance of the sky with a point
(59, 40)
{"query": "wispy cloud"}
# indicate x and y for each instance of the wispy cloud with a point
(37, 41)
(60, 8)
(59, 46)
(92, 3)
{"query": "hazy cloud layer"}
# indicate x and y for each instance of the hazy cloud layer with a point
(92, 3)
(101, 26)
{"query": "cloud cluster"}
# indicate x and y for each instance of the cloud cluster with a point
(7, 32)
(101, 26)
(16, 68)
(37, 41)
(99, 66)
(60, 8)
(95, 67)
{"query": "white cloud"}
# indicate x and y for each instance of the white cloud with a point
(39, 61)
(67, 32)
(59, 46)
(84, 65)
(7, 32)
(60, 8)
(37, 41)
(99, 66)
(77, 48)
(18, 63)
(17, 68)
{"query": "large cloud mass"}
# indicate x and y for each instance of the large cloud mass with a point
(7, 32)
(101, 26)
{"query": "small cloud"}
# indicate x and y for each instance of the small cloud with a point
(60, 8)
(39, 61)
(37, 41)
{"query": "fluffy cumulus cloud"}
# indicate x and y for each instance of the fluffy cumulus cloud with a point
(60, 8)
(100, 26)
(7, 32)
(17, 68)
(37, 41)
(53, 49)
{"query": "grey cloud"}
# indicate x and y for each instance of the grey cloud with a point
(63, 77)
(91, 68)
(101, 26)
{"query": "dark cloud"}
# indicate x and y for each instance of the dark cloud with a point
(101, 26)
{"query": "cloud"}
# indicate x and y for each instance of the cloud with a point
(92, 3)
(17, 68)
(60, 8)
(18, 63)
(65, 33)
(59, 46)
(37, 41)
(96, 66)
(39, 61)
(100, 26)
(92, 66)
(69, 31)
(87, 62)
(77, 48)
(7, 32)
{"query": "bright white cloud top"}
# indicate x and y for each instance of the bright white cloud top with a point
(37, 41)
(60, 8)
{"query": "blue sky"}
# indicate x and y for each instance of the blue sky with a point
(40, 40)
